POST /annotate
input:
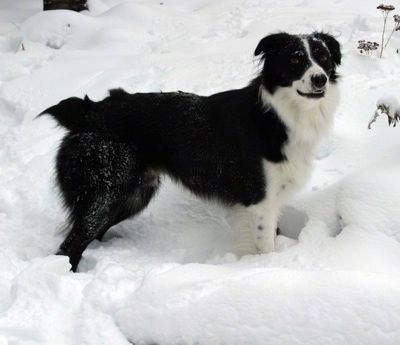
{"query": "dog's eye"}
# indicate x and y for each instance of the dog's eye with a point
(294, 60)
(323, 58)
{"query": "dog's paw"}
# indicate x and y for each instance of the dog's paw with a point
(264, 243)
(245, 246)
(242, 251)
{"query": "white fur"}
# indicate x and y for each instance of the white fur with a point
(307, 121)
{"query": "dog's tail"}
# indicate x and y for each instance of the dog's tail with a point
(72, 113)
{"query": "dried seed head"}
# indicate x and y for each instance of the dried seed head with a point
(386, 8)
(367, 45)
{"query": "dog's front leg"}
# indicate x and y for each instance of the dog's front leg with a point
(266, 215)
(254, 227)
(242, 222)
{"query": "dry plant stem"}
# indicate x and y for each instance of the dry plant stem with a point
(374, 118)
(385, 15)
(390, 36)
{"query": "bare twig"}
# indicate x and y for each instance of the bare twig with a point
(385, 11)
(396, 27)
(388, 106)
(373, 119)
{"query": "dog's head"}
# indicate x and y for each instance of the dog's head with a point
(304, 65)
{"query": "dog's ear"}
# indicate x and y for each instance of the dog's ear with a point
(333, 46)
(270, 43)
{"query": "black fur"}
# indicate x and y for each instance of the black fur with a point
(108, 165)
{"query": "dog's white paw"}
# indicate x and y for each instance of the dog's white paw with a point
(241, 250)
(264, 243)
(245, 245)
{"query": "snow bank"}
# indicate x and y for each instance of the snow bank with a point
(167, 276)
(196, 304)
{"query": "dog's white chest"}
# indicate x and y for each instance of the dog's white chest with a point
(305, 128)
(290, 175)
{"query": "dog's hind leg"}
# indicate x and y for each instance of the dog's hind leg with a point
(97, 215)
(93, 218)
(134, 201)
(102, 183)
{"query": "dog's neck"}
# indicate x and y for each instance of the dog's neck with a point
(308, 121)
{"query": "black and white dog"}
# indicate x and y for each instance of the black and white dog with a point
(247, 148)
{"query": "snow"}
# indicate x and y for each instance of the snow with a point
(389, 106)
(168, 276)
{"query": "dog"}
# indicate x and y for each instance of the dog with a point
(248, 148)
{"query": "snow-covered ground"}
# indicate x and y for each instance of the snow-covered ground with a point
(167, 276)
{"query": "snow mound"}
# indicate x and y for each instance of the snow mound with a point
(195, 304)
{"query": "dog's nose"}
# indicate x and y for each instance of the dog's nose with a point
(319, 80)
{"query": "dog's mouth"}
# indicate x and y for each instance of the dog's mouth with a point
(315, 94)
